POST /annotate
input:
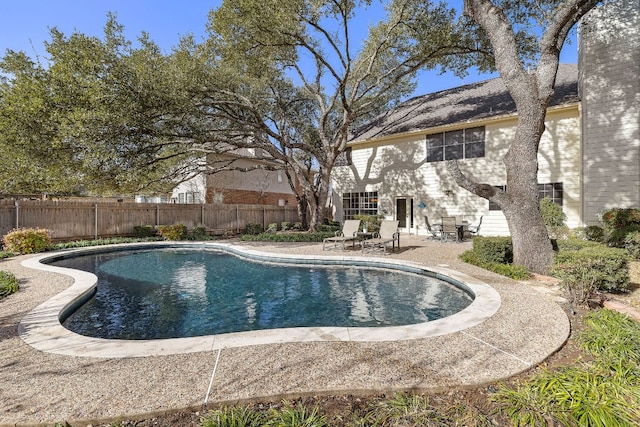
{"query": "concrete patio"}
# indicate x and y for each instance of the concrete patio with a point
(41, 386)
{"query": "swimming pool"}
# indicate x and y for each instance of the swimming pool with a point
(41, 328)
(186, 292)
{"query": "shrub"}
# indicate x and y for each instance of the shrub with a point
(578, 281)
(493, 249)
(574, 244)
(173, 232)
(297, 226)
(198, 233)
(594, 233)
(234, 416)
(553, 217)
(296, 416)
(8, 284)
(606, 268)
(632, 244)
(253, 228)
(288, 237)
(328, 228)
(611, 336)
(27, 240)
(603, 392)
(516, 272)
(621, 217)
(99, 242)
(272, 228)
(286, 225)
(618, 223)
(142, 231)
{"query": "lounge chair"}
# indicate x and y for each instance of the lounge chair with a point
(388, 234)
(349, 233)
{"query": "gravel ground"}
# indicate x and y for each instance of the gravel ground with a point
(39, 387)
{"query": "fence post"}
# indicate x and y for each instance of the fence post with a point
(95, 221)
(157, 214)
(17, 215)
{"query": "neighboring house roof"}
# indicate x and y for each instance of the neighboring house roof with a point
(489, 98)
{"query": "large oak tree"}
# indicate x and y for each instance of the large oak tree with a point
(95, 116)
(530, 81)
(293, 78)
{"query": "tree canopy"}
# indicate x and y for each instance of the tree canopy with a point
(100, 117)
(288, 79)
(295, 84)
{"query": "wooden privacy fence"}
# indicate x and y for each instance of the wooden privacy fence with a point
(89, 220)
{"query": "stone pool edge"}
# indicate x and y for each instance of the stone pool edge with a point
(41, 328)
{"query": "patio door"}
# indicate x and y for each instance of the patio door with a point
(404, 213)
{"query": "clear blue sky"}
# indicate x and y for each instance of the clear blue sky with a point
(24, 25)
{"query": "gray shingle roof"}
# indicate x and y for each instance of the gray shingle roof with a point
(475, 101)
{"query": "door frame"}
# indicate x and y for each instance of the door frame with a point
(409, 219)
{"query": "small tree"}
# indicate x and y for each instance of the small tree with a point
(554, 218)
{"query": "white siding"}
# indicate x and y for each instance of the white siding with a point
(398, 168)
(195, 187)
(609, 63)
(559, 161)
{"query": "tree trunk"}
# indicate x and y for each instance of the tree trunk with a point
(303, 210)
(531, 245)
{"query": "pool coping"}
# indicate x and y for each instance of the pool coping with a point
(41, 328)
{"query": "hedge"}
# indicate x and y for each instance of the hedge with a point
(493, 249)
(608, 268)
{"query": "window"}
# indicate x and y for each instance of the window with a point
(552, 190)
(344, 159)
(190, 198)
(362, 203)
(457, 144)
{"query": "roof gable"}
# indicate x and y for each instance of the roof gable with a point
(489, 98)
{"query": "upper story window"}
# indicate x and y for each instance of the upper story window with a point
(456, 144)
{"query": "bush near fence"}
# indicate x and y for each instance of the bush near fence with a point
(92, 220)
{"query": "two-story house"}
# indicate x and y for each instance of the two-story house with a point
(589, 154)
(250, 179)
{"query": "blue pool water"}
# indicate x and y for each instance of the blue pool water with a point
(170, 293)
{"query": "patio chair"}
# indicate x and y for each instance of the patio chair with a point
(475, 229)
(388, 234)
(449, 228)
(435, 231)
(349, 233)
